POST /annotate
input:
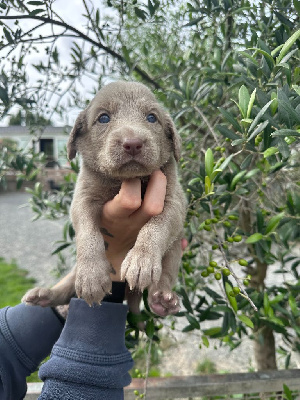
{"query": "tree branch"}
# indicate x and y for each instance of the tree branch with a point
(81, 35)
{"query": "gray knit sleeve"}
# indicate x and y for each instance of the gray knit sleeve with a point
(90, 360)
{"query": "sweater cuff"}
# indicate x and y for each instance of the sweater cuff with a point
(27, 335)
(90, 355)
(30, 332)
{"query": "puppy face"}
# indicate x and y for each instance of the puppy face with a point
(124, 132)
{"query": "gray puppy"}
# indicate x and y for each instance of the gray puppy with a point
(123, 133)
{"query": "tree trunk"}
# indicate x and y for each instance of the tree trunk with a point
(264, 349)
(264, 340)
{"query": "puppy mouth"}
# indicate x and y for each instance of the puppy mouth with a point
(132, 169)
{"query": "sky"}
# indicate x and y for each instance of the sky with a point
(71, 12)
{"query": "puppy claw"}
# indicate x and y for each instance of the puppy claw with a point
(141, 269)
(93, 287)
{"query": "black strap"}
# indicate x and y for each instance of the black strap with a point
(117, 293)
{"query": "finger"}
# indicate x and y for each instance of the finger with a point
(126, 202)
(154, 199)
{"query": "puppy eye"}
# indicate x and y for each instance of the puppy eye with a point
(151, 118)
(104, 119)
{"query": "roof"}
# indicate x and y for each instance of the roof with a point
(6, 131)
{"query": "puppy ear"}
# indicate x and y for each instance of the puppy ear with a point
(78, 128)
(173, 135)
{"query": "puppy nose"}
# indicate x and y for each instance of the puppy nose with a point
(133, 146)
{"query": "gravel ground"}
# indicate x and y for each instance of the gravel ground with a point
(30, 244)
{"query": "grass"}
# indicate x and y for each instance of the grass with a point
(14, 283)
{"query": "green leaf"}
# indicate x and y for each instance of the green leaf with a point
(212, 331)
(274, 222)
(253, 60)
(259, 115)
(287, 393)
(36, 3)
(276, 50)
(55, 55)
(270, 151)
(97, 17)
(297, 6)
(286, 132)
(244, 99)
(251, 102)
(297, 89)
(209, 162)
(150, 328)
(260, 127)
(288, 44)
(208, 187)
(8, 35)
(205, 341)
(226, 162)
(230, 118)
(256, 237)
(289, 110)
(193, 181)
(140, 13)
(227, 132)
(247, 161)
(274, 105)
(252, 173)
(237, 142)
(60, 248)
(246, 320)
(236, 179)
(269, 59)
(276, 321)
(185, 301)
(293, 306)
(188, 328)
(232, 300)
(37, 11)
(192, 320)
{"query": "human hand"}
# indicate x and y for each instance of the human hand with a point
(124, 216)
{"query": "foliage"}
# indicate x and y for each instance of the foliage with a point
(29, 119)
(229, 73)
(22, 164)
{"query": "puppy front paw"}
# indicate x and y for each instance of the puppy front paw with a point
(39, 297)
(92, 284)
(141, 268)
(164, 303)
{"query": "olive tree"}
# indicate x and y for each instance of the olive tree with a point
(229, 73)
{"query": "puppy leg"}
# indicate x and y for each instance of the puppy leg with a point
(143, 263)
(162, 300)
(93, 270)
(60, 294)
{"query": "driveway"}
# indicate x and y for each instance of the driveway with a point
(28, 243)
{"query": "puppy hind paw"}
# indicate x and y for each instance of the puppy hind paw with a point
(164, 303)
(38, 297)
